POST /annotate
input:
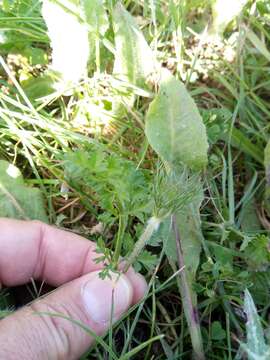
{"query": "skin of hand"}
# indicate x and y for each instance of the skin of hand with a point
(34, 250)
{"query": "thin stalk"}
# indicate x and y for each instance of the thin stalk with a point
(140, 347)
(111, 324)
(118, 246)
(228, 309)
(168, 320)
(190, 309)
(140, 307)
(153, 321)
(151, 227)
(229, 345)
(98, 54)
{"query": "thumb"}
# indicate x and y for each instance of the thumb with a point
(27, 334)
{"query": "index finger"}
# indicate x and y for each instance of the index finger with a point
(32, 249)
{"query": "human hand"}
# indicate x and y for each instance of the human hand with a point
(33, 250)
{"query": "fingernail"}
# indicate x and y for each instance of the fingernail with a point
(100, 296)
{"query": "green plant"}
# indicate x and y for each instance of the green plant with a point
(170, 176)
(16, 199)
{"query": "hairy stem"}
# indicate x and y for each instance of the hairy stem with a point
(151, 227)
(190, 309)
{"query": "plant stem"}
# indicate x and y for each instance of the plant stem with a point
(151, 227)
(228, 309)
(98, 54)
(118, 246)
(190, 308)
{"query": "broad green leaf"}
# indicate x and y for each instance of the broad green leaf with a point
(224, 12)
(174, 127)
(189, 224)
(96, 16)
(37, 87)
(249, 218)
(222, 254)
(69, 39)
(16, 199)
(134, 60)
(256, 347)
(35, 55)
(217, 332)
(248, 215)
(191, 236)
